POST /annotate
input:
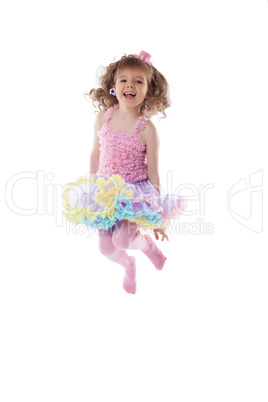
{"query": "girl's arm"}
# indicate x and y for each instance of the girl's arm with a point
(95, 152)
(152, 146)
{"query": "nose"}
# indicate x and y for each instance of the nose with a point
(131, 86)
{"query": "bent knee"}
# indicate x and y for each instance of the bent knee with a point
(123, 234)
(121, 242)
(105, 245)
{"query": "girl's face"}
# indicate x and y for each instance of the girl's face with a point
(132, 81)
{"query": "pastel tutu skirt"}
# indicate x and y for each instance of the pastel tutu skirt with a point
(101, 202)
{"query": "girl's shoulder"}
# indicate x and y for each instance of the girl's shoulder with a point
(149, 127)
(101, 114)
(149, 132)
(100, 118)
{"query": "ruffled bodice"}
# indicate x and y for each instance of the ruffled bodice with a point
(122, 153)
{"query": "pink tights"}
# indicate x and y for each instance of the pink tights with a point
(124, 235)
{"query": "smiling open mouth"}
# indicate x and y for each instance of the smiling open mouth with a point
(129, 95)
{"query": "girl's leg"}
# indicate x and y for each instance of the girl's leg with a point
(126, 236)
(120, 257)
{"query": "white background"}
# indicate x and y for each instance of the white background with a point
(196, 331)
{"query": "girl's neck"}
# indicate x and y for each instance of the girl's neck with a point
(126, 113)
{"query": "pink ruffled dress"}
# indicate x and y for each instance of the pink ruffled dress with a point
(121, 188)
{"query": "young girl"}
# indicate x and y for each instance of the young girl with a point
(122, 192)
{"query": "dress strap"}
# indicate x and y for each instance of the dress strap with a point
(141, 122)
(109, 112)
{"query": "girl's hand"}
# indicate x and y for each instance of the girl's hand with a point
(162, 232)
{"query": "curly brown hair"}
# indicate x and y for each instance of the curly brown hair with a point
(158, 86)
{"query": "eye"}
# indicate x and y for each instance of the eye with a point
(123, 80)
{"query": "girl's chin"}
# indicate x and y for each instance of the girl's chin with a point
(130, 102)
